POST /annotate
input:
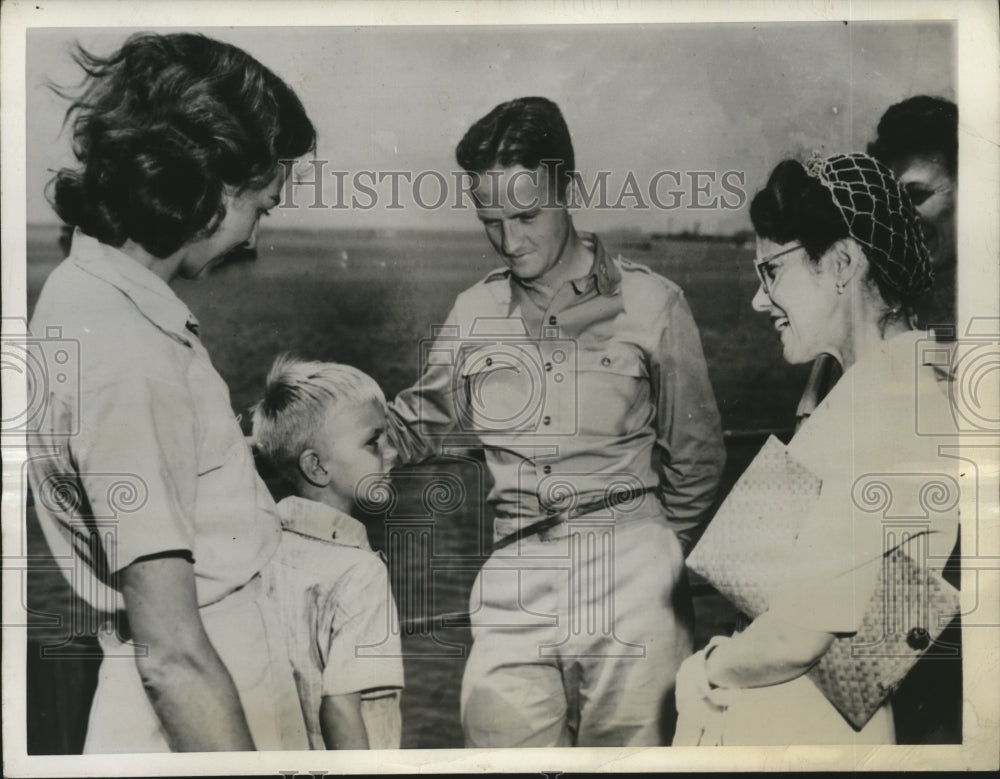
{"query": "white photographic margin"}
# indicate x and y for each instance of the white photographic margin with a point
(978, 67)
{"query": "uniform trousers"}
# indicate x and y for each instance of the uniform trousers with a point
(577, 636)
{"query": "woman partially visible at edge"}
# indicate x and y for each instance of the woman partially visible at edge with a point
(180, 142)
(841, 260)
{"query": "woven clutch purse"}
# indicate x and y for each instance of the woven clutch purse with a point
(910, 607)
(749, 545)
(746, 549)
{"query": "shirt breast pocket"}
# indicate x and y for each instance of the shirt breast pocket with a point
(613, 390)
(499, 397)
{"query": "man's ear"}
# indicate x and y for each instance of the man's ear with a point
(311, 468)
(570, 196)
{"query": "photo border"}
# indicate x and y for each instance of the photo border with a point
(979, 281)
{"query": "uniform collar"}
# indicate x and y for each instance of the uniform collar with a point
(326, 523)
(603, 274)
(147, 291)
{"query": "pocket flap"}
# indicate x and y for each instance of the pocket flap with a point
(619, 358)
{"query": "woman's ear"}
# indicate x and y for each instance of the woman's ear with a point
(312, 470)
(847, 262)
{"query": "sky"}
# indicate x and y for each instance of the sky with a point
(692, 102)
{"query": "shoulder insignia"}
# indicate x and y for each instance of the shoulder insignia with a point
(631, 265)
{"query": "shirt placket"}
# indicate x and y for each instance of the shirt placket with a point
(555, 490)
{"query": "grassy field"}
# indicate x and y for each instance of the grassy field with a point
(368, 300)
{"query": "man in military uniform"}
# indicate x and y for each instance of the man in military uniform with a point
(582, 378)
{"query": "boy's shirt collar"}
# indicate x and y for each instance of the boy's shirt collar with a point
(326, 523)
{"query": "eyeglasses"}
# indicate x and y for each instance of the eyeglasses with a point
(765, 269)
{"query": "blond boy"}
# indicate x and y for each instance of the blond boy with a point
(323, 427)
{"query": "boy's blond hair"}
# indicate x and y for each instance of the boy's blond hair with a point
(298, 396)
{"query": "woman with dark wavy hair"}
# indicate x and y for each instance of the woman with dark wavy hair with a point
(841, 262)
(180, 142)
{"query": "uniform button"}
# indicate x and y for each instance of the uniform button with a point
(548, 366)
(918, 638)
(546, 420)
(547, 469)
(553, 320)
(606, 361)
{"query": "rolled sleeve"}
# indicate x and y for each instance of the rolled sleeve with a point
(688, 429)
(420, 417)
(136, 468)
(363, 653)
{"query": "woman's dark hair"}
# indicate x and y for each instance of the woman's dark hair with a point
(854, 196)
(527, 131)
(794, 206)
(920, 125)
(161, 126)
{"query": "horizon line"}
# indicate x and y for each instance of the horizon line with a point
(633, 230)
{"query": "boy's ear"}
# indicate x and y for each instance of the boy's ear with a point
(312, 470)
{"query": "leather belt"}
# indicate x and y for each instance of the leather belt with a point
(615, 499)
